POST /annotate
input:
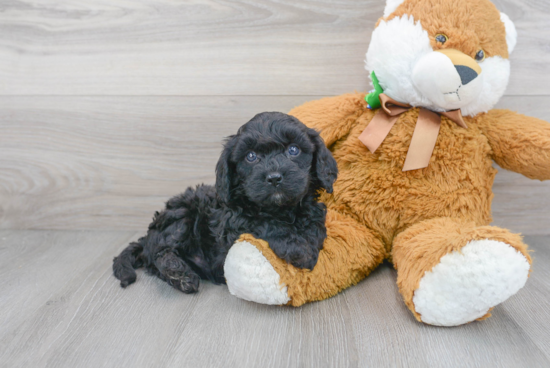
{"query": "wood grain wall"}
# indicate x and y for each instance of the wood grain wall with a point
(107, 108)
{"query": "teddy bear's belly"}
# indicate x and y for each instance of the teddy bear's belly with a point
(457, 182)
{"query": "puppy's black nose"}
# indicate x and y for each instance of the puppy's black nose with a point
(274, 179)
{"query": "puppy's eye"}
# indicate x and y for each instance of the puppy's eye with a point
(480, 56)
(441, 38)
(251, 156)
(293, 150)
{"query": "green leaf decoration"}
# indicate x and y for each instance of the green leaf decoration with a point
(372, 98)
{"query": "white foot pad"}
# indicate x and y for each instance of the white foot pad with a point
(466, 284)
(250, 276)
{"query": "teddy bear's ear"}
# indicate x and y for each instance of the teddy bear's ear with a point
(391, 5)
(511, 33)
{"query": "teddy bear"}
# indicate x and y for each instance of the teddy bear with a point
(415, 160)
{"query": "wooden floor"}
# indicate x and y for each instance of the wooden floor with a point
(61, 307)
(109, 107)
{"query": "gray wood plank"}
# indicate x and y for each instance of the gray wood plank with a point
(387, 334)
(104, 162)
(41, 272)
(74, 313)
(217, 47)
(44, 263)
(529, 308)
(110, 162)
(90, 321)
(65, 309)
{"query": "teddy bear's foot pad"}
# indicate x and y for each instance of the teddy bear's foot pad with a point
(466, 284)
(250, 276)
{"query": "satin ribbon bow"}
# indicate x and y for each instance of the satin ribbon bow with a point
(424, 135)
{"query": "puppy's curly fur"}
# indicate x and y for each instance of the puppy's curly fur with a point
(267, 183)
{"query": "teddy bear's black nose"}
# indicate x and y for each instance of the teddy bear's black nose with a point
(466, 74)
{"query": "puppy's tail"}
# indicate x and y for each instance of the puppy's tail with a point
(127, 261)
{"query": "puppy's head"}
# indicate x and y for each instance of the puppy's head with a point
(274, 160)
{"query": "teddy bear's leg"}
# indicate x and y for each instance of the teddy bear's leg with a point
(351, 251)
(450, 272)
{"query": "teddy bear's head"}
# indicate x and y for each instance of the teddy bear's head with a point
(443, 54)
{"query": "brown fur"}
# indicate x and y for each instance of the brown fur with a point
(349, 246)
(464, 22)
(374, 201)
(519, 143)
(414, 218)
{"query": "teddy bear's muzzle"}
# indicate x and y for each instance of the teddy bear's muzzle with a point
(448, 78)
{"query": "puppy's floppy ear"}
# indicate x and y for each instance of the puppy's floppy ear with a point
(224, 170)
(324, 165)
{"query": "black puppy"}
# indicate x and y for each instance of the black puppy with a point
(268, 180)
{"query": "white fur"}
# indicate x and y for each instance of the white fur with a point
(511, 33)
(436, 77)
(396, 48)
(250, 276)
(496, 72)
(391, 5)
(466, 284)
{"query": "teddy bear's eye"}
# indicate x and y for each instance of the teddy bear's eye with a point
(441, 38)
(480, 56)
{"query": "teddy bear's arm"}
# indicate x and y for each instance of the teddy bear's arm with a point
(332, 116)
(520, 143)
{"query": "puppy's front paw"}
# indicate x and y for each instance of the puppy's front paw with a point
(300, 258)
(297, 252)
